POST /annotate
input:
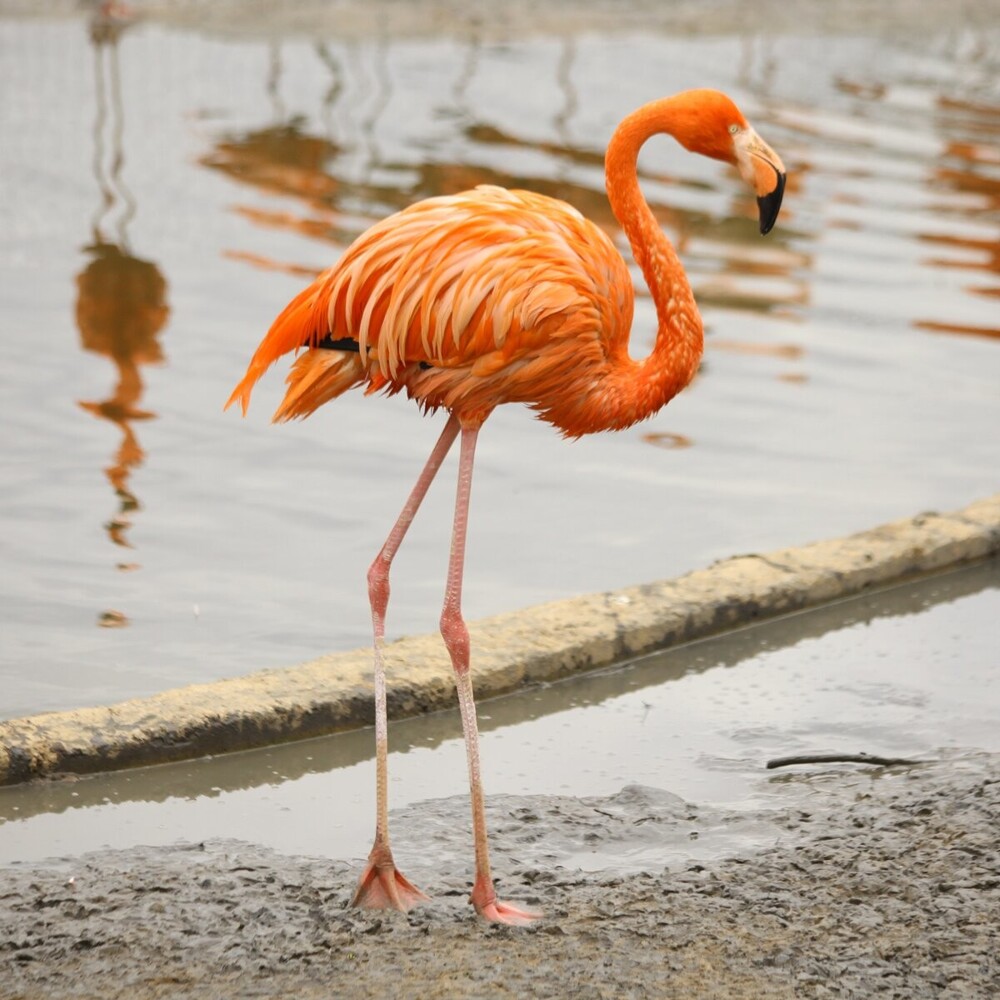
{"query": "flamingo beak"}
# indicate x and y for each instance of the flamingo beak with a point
(761, 167)
(769, 204)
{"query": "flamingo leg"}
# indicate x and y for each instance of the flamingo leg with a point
(381, 884)
(456, 638)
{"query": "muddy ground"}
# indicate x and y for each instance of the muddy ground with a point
(887, 884)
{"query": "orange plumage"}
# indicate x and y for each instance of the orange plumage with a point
(485, 297)
(495, 296)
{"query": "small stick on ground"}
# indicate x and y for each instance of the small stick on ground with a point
(842, 758)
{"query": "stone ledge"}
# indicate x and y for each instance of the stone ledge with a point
(537, 644)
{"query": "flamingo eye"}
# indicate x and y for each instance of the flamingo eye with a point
(734, 129)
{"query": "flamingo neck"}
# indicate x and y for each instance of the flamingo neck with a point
(679, 337)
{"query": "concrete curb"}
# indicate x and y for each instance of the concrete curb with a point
(538, 644)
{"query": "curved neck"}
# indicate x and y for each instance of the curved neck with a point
(679, 336)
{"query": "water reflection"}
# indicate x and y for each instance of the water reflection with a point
(968, 168)
(282, 160)
(121, 303)
(960, 178)
(285, 159)
(120, 309)
(665, 439)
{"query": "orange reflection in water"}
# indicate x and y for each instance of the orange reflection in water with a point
(281, 159)
(121, 304)
(120, 309)
(665, 439)
(968, 168)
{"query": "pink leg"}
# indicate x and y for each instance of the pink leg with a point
(456, 638)
(382, 885)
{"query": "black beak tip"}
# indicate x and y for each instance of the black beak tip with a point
(768, 206)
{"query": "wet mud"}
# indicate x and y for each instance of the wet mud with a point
(885, 883)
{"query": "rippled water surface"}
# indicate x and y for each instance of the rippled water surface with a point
(169, 181)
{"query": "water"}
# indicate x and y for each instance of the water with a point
(169, 184)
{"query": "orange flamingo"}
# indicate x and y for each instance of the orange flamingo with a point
(494, 296)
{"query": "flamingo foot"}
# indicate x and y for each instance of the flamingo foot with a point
(383, 886)
(484, 899)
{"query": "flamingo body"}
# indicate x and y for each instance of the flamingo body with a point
(493, 296)
(466, 301)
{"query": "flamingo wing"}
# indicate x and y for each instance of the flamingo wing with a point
(466, 301)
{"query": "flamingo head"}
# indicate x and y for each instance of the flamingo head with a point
(708, 122)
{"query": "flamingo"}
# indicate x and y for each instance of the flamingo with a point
(494, 296)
